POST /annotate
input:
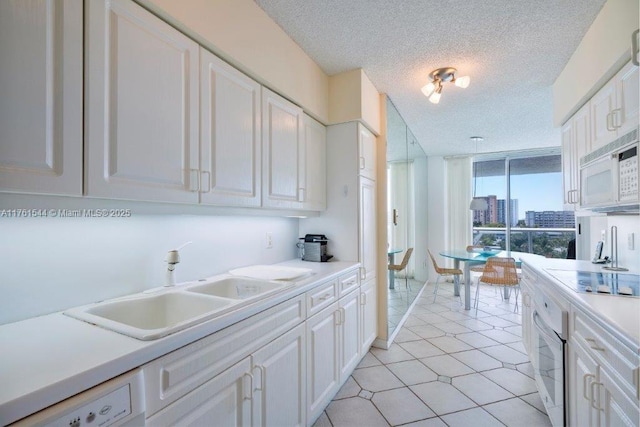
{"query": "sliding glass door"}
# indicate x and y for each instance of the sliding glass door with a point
(524, 195)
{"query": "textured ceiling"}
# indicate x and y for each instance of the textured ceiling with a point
(513, 50)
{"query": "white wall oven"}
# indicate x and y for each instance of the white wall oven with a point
(549, 356)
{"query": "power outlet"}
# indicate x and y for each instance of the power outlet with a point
(603, 235)
(269, 240)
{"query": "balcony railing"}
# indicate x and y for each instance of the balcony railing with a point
(548, 242)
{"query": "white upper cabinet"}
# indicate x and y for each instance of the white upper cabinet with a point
(628, 85)
(602, 105)
(314, 193)
(41, 96)
(229, 134)
(614, 108)
(282, 139)
(366, 152)
(142, 106)
(576, 137)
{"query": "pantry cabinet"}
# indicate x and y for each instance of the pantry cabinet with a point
(41, 74)
(283, 155)
(142, 109)
(230, 140)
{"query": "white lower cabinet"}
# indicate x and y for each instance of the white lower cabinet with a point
(603, 377)
(333, 351)
(368, 315)
(279, 375)
(224, 400)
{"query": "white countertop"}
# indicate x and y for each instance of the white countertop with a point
(619, 315)
(47, 359)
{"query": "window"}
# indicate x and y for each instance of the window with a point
(524, 198)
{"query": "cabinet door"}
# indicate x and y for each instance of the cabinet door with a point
(367, 228)
(282, 139)
(584, 371)
(230, 141)
(280, 381)
(225, 400)
(323, 365)
(41, 96)
(568, 166)
(601, 105)
(368, 315)
(367, 152)
(142, 103)
(314, 186)
(349, 328)
(618, 409)
(627, 112)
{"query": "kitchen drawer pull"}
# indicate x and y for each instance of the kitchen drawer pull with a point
(343, 315)
(616, 118)
(302, 194)
(325, 296)
(585, 377)
(361, 162)
(363, 300)
(594, 345)
(593, 400)
(250, 388)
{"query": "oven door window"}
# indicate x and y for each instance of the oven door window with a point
(548, 365)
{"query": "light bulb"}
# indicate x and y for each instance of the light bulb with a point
(428, 89)
(435, 97)
(463, 81)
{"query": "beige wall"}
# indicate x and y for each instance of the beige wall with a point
(352, 96)
(244, 35)
(601, 53)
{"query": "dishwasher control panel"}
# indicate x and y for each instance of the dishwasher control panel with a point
(118, 402)
(102, 412)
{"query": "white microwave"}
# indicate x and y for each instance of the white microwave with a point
(611, 181)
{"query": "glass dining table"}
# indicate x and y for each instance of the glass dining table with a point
(474, 258)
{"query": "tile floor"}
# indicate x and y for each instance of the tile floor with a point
(447, 367)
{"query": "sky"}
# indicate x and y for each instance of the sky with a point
(534, 192)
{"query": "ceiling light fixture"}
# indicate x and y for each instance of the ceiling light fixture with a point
(480, 203)
(433, 89)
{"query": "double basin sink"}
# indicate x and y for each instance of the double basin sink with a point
(149, 316)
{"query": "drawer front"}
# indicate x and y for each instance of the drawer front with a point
(348, 282)
(607, 351)
(172, 376)
(322, 296)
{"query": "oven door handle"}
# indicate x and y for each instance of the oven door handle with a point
(543, 328)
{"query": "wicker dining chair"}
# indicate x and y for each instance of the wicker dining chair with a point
(500, 272)
(455, 272)
(402, 266)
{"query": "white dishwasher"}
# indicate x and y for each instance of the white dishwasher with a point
(117, 402)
